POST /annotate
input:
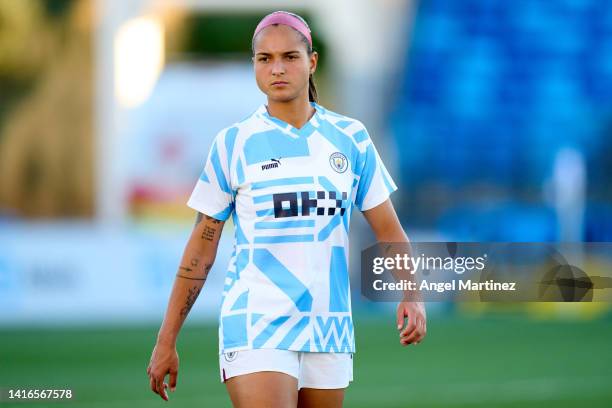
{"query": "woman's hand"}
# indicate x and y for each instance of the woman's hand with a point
(164, 360)
(415, 330)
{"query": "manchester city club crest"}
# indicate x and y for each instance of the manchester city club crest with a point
(338, 162)
(231, 356)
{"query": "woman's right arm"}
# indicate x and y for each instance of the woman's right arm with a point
(197, 260)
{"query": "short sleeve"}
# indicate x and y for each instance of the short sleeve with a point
(375, 184)
(212, 194)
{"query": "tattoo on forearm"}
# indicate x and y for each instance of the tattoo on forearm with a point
(195, 262)
(191, 298)
(190, 277)
(208, 233)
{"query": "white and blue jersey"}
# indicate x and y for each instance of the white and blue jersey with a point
(290, 193)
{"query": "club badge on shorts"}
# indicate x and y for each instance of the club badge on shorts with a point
(231, 356)
(338, 162)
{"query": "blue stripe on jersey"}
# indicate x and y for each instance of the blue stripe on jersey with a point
(224, 214)
(281, 182)
(284, 224)
(269, 331)
(327, 230)
(270, 211)
(255, 317)
(216, 162)
(239, 234)
(234, 331)
(262, 198)
(361, 136)
(263, 146)
(317, 341)
(387, 181)
(204, 177)
(327, 185)
(241, 261)
(343, 336)
(230, 139)
(293, 333)
(265, 213)
(343, 142)
(343, 124)
(240, 171)
(338, 281)
(305, 131)
(232, 279)
(347, 217)
(366, 176)
(279, 239)
(306, 346)
(283, 278)
(241, 302)
(277, 121)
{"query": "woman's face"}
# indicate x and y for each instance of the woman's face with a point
(282, 64)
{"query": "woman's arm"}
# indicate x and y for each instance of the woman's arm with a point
(387, 228)
(197, 260)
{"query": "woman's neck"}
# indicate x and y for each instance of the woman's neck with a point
(296, 112)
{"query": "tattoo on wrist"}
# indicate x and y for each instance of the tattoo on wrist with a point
(184, 268)
(191, 298)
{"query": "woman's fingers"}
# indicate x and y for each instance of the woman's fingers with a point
(161, 388)
(423, 329)
(400, 318)
(415, 335)
(410, 327)
(158, 385)
(173, 375)
(152, 384)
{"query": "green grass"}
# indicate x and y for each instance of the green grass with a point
(485, 362)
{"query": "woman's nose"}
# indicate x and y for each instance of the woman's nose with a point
(278, 67)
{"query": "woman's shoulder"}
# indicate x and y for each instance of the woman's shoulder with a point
(248, 123)
(346, 124)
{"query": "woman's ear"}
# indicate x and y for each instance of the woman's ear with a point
(314, 59)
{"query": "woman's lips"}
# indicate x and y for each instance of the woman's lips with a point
(279, 83)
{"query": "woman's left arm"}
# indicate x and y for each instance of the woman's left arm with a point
(387, 228)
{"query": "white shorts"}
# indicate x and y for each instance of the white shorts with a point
(312, 370)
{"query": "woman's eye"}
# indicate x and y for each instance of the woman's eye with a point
(262, 59)
(291, 57)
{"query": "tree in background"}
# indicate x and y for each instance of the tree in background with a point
(46, 108)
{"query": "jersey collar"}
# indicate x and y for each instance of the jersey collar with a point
(305, 131)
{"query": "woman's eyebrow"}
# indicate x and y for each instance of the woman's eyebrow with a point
(283, 53)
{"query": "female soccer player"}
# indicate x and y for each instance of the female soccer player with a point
(289, 175)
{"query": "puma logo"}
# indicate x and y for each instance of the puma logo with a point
(275, 163)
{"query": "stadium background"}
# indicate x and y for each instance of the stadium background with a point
(495, 119)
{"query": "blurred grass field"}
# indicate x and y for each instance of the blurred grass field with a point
(494, 361)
